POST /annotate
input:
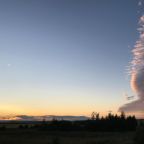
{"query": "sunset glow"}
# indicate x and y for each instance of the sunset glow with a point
(66, 57)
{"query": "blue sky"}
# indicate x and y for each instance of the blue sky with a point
(65, 56)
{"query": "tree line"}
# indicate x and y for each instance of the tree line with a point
(95, 123)
(110, 123)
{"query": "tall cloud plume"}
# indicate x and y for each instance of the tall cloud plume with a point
(137, 73)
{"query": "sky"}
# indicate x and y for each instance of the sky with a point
(65, 57)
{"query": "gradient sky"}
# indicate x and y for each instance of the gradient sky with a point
(65, 57)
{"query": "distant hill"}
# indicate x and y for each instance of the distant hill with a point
(40, 118)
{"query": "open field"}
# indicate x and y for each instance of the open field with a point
(44, 137)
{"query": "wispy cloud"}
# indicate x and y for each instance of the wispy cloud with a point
(137, 73)
(140, 3)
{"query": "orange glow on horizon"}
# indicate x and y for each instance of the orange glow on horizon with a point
(31, 112)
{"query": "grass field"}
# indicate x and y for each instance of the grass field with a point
(44, 137)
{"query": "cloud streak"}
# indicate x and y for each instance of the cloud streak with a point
(137, 73)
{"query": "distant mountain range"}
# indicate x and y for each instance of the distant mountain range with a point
(40, 118)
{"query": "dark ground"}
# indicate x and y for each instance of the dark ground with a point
(16, 136)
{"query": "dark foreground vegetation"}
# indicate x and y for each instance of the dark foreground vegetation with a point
(111, 129)
(29, 136)
(139, 134)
